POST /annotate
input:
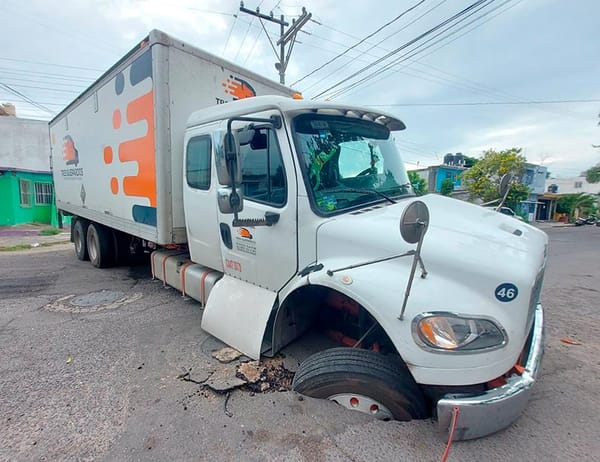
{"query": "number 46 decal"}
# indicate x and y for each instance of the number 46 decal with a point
(506, 292)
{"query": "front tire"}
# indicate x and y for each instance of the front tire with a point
(362, 380)
(80, 239)
(100, 246)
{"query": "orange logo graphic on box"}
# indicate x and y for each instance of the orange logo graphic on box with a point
(243, 232)
(141, 150)
(70, 153)
(238, 88)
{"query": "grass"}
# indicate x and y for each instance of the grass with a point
(49, 232)
(13, 248)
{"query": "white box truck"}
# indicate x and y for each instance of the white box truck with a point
(280, 215)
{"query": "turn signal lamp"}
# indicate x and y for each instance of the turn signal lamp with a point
(297, 96)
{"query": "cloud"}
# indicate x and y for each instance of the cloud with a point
(564, 144)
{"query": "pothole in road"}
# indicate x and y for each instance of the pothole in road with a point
(92, 302)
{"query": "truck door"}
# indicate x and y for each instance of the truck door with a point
(264, 255)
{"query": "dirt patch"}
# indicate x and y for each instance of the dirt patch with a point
(267, 375)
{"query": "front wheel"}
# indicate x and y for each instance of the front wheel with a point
(362, 380)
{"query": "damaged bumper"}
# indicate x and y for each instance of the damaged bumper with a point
(497, 408)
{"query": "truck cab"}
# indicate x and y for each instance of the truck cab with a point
(298, 207)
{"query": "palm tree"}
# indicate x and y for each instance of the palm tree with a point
(584, 204)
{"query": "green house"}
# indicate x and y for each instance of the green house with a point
(26, 189)
(26, 197)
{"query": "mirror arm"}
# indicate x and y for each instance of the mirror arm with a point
(416, 260)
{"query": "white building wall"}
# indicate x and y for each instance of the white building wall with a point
(24, 144)
(573, 185)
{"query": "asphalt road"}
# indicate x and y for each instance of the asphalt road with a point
(81, 383)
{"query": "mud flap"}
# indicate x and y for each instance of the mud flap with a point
(237, 313)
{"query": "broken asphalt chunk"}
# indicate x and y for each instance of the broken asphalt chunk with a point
(226, 355)
(224, 379)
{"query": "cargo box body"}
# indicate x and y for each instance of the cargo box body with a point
(117, 150)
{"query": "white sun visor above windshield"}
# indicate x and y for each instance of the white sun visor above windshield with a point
(391, 123)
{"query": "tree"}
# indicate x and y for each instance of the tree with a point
(446, 187)
(419, 184)
(470, 161)
(483, 179)
(592, 174)
(584, 204)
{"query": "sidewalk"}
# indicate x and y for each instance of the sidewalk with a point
(551, 224)
(24, 236)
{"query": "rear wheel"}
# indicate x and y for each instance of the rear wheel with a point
(80, 240)
(100, 246)
(362, 380)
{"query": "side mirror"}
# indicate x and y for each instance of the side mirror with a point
(504, 185)
(228, 150)
(504, 189)
(230, 201)
(414, 222)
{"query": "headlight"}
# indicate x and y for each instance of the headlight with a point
(449, 332)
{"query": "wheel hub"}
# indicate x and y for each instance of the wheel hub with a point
(364, 404)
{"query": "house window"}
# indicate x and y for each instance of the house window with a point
(25, 192)
(197, 164)
(578, 184)
(43, 193)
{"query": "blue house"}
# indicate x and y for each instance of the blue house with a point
(535, 179)
(435, 175)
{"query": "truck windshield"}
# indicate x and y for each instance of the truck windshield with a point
(348, 162)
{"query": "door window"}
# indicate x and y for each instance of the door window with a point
(197, 165)
(263, 175)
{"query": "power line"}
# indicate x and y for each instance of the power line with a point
(25, 98)
(258, 36)
(17, 79)
(246, 34)
(51, 64)
(235, 16)
(39, 102)
(97, 42)
(65, 77)
(285, 36)
(378, 43)
(489, 103)
(361, 41)
(484, 91)
(402, 47)
(457, 80)
(61, 90)
(416, 51)
(445, 26)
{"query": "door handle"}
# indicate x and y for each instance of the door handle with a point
(271, 218)
(226, 235)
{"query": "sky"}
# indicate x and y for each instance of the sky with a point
(483, 83)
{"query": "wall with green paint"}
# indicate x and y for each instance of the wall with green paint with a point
(11, 210)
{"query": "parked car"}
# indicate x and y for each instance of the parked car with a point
(507, 211)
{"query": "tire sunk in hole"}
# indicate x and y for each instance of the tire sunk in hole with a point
(384, 379)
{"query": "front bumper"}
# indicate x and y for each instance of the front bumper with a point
(497, 408)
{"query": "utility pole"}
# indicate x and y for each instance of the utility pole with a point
(285, 36)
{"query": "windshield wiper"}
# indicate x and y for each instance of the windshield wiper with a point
(365, 191)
